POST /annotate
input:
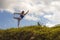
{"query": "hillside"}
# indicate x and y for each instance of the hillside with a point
(31, 33)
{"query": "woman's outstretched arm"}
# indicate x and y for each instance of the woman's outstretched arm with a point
(26, 12)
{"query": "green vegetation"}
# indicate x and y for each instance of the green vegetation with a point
(31, 33)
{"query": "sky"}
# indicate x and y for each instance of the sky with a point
(47, 12)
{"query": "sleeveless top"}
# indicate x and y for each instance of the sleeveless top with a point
(21, 16)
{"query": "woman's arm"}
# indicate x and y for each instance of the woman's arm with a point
(26, 12)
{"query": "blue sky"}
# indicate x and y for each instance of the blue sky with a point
(47, 12)
(7, 21)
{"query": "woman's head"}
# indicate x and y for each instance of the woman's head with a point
(22, 12)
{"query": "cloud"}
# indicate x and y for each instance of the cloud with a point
(48, 16)
(50, 9)
(32, 18)
(49, 24)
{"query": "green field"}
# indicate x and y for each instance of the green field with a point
(31, 33)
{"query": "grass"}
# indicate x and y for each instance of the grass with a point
(31, 33)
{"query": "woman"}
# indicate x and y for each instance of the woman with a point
(21, 16)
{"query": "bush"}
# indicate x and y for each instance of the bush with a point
(31, 33)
